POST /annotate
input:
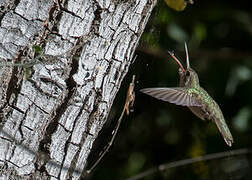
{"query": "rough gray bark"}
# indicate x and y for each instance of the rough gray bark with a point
(51, 117)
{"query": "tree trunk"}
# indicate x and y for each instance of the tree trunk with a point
(54, 101)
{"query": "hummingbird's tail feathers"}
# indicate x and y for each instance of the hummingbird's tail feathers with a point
(225, 132)
(176, 96)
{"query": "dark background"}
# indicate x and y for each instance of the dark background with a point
(218, 35)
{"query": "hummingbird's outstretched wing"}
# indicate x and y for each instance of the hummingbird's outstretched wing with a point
(175, 95)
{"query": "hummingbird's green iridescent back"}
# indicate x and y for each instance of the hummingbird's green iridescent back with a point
(209, 110)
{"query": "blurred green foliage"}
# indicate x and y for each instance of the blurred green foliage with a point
(219, 37)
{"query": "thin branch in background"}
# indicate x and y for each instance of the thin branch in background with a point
(164, 167)
(40, 58)
(28, 64)
(128, 106)
(221, 55)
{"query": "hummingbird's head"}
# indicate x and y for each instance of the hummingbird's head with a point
(188, 77)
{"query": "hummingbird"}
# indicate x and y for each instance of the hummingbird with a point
(191, 94)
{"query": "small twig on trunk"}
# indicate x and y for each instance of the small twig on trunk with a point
(128, 107)
(130, 97)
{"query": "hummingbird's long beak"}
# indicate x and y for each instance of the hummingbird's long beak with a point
(179, 63)
(187, 57)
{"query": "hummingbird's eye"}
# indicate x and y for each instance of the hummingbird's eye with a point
(187, 73)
